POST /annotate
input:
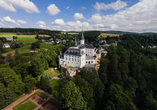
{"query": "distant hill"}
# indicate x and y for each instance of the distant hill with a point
(123, 32)
(29, 31)
(118, 32)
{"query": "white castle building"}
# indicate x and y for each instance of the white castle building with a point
(80, 55)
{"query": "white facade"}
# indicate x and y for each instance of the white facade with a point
(79, 55)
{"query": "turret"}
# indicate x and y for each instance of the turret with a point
(82, 38)
(75, 42)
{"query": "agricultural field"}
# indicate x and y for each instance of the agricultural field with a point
(25, 39)
(107, 34)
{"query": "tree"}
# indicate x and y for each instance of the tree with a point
(24, 59)
(29, 83)
(22, 69)
(86, 90)
(35, 45)
(47, 80)
(1, 47)
(11, 80)
(2, 61)
(42, 83)
(7, 96)
(72, 97)
(37, 68)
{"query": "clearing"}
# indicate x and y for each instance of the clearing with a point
(52, 72)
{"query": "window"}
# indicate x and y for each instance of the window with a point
(78, 60)
(66, 58)
(72, 59)
(75, 59)
(91, 61)
(69, 58)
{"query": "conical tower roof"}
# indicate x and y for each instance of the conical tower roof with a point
(82, 36)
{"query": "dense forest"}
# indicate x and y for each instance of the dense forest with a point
(29, 31)
(126, 79)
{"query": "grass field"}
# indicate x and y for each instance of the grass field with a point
(26, 106)
(41, 95)
(55, 85)
(107, 34)
(22, 38)
(51, 73)
(55, 103)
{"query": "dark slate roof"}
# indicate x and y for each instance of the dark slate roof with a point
(81, 46)
(89, 46)
(73, 51)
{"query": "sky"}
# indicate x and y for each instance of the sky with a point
(77, 15)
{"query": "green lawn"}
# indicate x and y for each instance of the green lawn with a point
(55, 103)
(50, 73)
(41, 95)
(26, 106)
(57, 71)
(44, 45)
(39, 109)
(55, 85)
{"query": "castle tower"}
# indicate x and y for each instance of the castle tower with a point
(82, 38)
(75, 42)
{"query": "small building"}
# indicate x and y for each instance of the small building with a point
(106, 46)
(64, 41)
(9, 39)
(43, 40)
(6, 45)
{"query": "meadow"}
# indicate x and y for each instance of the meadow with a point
(107, 34)
(25, 39)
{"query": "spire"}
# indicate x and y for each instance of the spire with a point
(82, 37)
(60, 53)
(75, 42)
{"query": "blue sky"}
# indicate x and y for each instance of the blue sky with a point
(75, 15)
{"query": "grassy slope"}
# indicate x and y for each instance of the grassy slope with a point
(51, 73)
(55, 85)
(26, 106)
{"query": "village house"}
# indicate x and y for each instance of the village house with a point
(6, 45)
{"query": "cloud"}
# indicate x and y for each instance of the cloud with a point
(9, 20)
(1, 20)
(95, 18)
(140, 17)
(114, 5)
(52, 9)
(26, 5)
(83, 8)
(7, 6)
(78, 16)
(2, 25)
(42, 24)
(68, 7)
(58, 22)
(21, 21)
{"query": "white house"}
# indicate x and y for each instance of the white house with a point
(80, 55)
(6, 45)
